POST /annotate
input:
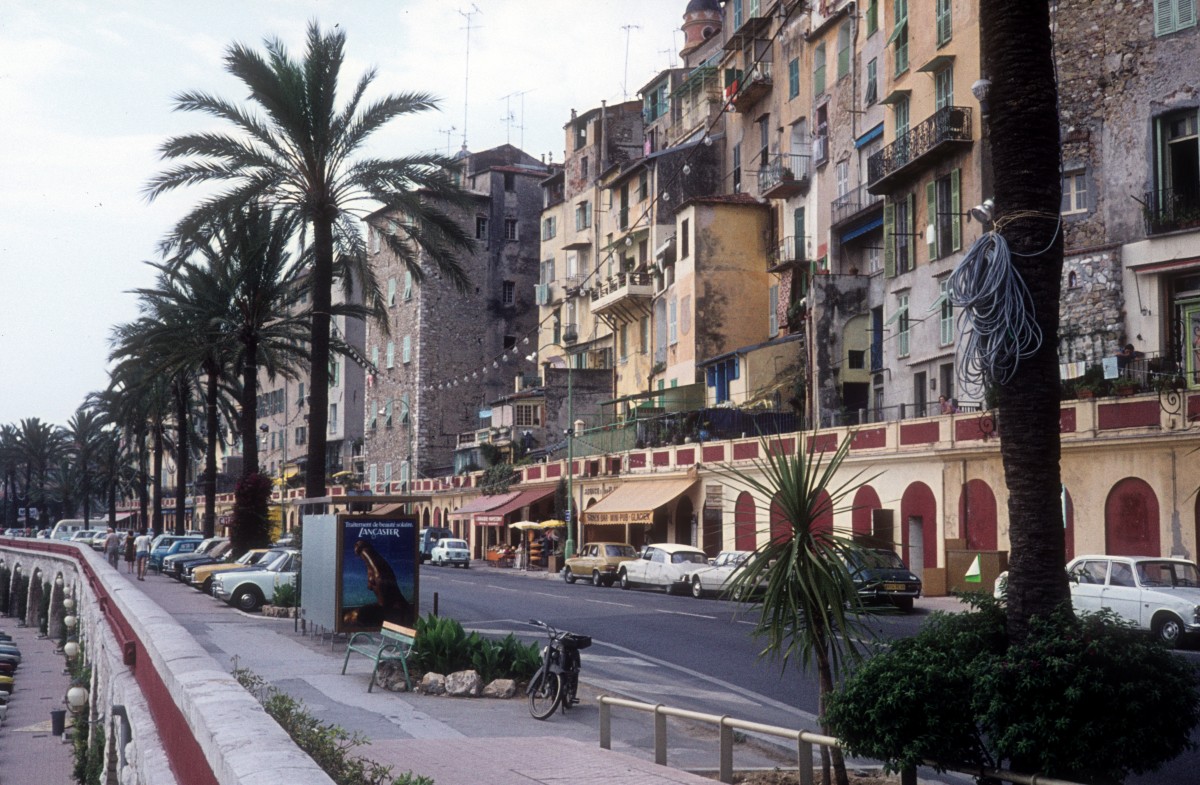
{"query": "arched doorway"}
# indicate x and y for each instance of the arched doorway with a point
(918, 527)
(866, 501)
(781, 528)
(823, 513)
(686, 532)
(977, 515)
(744, 538)
(1131, 519)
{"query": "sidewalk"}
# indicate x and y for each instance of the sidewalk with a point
(28, 751)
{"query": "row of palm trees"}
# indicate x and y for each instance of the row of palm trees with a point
(245, 284)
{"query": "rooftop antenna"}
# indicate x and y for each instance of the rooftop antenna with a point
(670, 53)
(467, 79)
(448, 132)
(510, 118)
(625, 82)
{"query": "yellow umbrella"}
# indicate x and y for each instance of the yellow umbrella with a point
(553, 523)
(523, 525)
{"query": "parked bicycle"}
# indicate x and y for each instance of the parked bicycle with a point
(557, 681)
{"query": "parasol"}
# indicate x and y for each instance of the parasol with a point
(524, 525)
(553, 523)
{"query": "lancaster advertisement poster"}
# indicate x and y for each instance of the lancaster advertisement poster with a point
(378, 572)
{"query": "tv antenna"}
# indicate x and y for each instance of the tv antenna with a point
(467, 79)
(510, 118)
(625, 82)
(448, 132)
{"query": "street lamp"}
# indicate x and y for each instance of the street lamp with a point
(569, 432)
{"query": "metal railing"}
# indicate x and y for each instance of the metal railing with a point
(851, 204)
(1171, 209)
(948, 124)
(804, 741)
(784, 168)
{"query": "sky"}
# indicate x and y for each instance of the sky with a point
(86, 99)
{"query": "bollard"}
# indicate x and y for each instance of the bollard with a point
(58, 721)
(435, 604)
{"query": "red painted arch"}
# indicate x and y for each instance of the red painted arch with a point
(743, 522)
(866, 501)
(823, 513)
(781, 528)
(919, 502)
(1131, 519)
(977, 515)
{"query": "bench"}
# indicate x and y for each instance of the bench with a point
(392, 643)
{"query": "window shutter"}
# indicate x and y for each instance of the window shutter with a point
(889, 240)
(1163, 22)
(956, 209)
(912, 246)
(932, 217)
(1185, 14)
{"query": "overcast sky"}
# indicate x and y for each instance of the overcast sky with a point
(86, 98)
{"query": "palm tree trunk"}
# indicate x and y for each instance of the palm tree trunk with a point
(211, 395)
(182, 452)
(318, 410)
(1024, 133)
(829, 755)
(143, 489)
(156, 479)
(248, 416)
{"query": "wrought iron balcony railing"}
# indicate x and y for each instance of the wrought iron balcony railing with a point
(947, 126)
(1171, 209)
(853, 203)
(785, 175)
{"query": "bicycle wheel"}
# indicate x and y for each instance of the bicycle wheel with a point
(544, 694)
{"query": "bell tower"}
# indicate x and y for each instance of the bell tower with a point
(701, 21)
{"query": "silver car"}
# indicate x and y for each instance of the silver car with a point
(717, 578)
(1158, 594)
(666, 565)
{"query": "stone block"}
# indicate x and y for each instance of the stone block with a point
(433, 684)
(500, 688)
(390, 676)
(464, 684)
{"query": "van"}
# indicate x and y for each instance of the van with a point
(429, 538)
(66, 528)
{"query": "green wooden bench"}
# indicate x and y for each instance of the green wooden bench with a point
(391, 644)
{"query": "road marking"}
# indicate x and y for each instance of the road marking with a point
(608, 659)
(684, 613)
(606, 602)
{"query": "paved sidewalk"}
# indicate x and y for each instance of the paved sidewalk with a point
(28, 752)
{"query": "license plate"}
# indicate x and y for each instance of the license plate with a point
(893, 587)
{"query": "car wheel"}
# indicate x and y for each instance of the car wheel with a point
(1168, 629)
(206, 587)
(905, 604)
(624, 579)
(697, 591)
(568, 576)
(247, 598)
(466, 565)
(596, 579)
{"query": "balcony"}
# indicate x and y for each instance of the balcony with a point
(790, 253)
(786, 175)
(625, 296)
(852, 205)
(570, 333)
(946, 130)
(749, 87)
(1172, 209)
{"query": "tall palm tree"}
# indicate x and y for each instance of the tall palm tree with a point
(41, 445)
(10, 461)
(128, 414)
(84, 433)
(295, 148)
(1023, 130)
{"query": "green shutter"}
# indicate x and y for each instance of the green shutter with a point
(912, 246)
(956, 210)
(931, 205)
(889, 240)
(1185, 14)
(1164, 22)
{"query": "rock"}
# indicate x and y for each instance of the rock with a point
(390, 676)
(500, 688)
(433, 684)
(464, 684)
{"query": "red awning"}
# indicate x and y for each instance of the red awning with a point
(495, 516)
(482, 504)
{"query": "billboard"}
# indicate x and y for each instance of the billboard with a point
(377, 579)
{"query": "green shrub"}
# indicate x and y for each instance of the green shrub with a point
(284, 596)
(443, 646)
(519, 660)
(1088, 700)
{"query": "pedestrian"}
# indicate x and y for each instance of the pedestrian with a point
(112, 548)
(141, 547)
(130, 552)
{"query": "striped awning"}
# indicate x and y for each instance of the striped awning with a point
(635, 502)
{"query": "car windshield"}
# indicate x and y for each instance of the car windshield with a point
(688, 557)
(879, 560)
(628, 551)
(280, 564)
(1168, 573)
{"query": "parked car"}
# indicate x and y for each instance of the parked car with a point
(83, 536)
(200, 576)
(429, 538)
(1161, 595)
(174, 564)
(248, 589)
(717, 578)
(166, 544)
(598, 561)
(881, 575)
(97, 541)
(450, 551)
(667, 565)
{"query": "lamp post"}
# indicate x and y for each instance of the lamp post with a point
(569, 432)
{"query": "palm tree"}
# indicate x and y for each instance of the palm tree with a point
(807, 596)
(10, 462)
(128, 414)
(1023, 128)
(84, 433)
(40, 444)
(298, 152)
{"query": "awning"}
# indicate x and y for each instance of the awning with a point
(635, 502)
(495, 516)
(869, 136)
(482, 504)
(869, 226)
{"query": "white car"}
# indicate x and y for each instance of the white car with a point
(717, 578)
(248, 589)
(450, 551)
(667, 565)
(1158, 594)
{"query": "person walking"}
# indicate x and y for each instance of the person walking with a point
(130, 552)
(112, 548)
(141, 547)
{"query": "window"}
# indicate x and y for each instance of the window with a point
(301, 435)
(737, 14)
(408, 284)
(547, 273)
(819, 70)
(373, 474)
(623, 342)
(900, 116)
(391, 295)
(481, 227)
(719, 375)
(902, 325)
(1074, 193)
(898, 256)
(737, 168)
(406, 349)
(643, 186)
(389, 410)
(773, 310)
(510, 228)
(510, 181)
(387, 472)
(899, 38)
(549, 227)
(764, 137)
(872, 88)
(391, 354)
(793, 77)
(583, 215)
(820, 151)
(526, 415)
(943, 88)
(645, 335)
(843, 57)
(373, 239)
(945, 320)
(372, 416)
(1177, 169)
(672, 323)
(403, 407)
(375, 356)
(509, 294)
(684, 239)
(942, 200)
(333, 418)
(872, 17)
(842, 176)
(335, 373)
(942, 20)
(1173, 15)
(583, 167)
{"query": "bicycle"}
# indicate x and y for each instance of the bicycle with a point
(557, 681)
